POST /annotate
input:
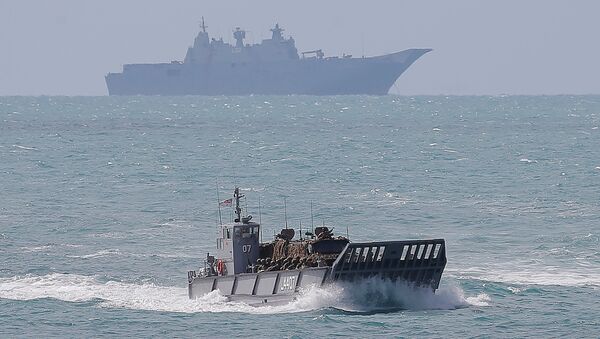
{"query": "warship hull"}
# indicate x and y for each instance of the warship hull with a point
(419, 263)
(307, 76)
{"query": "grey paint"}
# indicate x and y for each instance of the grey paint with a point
(245, 284)
(266, 283)
(225, 285)
(273, 66)
(287, 282)
(238, 251)
(416, 262)
(258, 287)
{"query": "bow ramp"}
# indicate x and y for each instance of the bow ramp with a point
(417, 262)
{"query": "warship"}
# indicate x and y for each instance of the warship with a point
(274, 272)
(271, 67)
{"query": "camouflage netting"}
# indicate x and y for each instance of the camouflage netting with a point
(285, 255)
(284, 248)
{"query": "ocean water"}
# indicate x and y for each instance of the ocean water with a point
(106, 202)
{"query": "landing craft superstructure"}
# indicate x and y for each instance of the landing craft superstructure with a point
(274, 272)
(272, 67)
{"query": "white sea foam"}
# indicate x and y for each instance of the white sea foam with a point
(384, 198)
(101, 253)
(45, 247)
(548, 276)
(481, 299)
(515, 290)
(25, 148)
(37, 248)
(373, 294)
(111, 235)
(368, 295)
(113, 252)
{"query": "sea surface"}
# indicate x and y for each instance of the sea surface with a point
(107, 202)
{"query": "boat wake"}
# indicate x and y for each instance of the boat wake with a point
(378, 295)
(375, 294)
(367, 296)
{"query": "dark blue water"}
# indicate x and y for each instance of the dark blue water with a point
(107, 202)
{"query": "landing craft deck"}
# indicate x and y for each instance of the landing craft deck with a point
(277, 271)
(272, 67)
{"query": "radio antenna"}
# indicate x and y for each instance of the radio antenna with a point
(312, 221)
(218, 202)
(285, 212)
(259, 220)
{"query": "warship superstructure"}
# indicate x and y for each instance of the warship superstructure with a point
(244, 269)
(272, 67)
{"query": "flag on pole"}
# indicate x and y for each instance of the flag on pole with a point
(226, 202)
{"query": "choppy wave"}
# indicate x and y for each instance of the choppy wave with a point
(114, 252)
(368, 295)
(98, 254)
(45, 247)
(25, 148)
(548, 276)
(37, 248)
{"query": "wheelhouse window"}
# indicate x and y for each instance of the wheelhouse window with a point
(247, 232)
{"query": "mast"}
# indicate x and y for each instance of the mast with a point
(239, 35)
(259, 219)
(238, 210)
(203, 26)
(277, 33)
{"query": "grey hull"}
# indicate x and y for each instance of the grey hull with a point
(260, 288)
(328, 76)
(416, 262)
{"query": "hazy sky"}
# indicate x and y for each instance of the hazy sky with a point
(65, 47)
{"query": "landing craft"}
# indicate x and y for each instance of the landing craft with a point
(272, 67)
(256, 273)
